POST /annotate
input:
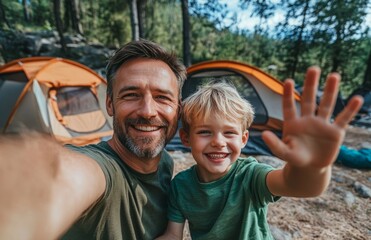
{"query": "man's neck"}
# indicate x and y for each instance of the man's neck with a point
(144, 166)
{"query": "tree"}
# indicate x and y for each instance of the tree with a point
(295, 35)
(338, 26)
(72, 19)
(3, 17)
(134, 20)
(26, 11)
(59, 24)
(186, 34)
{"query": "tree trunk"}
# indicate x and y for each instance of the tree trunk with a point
(67, 16)
(141, 17)
(26, 12)
(186, 35)
(299, 41)
(59, 24)
(134, 20)
(75, 17)
(3, 16)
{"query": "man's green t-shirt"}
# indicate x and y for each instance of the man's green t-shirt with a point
(233, 207)
(133, 206)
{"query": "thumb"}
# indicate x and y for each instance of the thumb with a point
(278, 148)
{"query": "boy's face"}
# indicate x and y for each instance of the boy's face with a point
(215, 143)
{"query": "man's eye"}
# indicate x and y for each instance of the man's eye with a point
(130, 96)
(162, 97)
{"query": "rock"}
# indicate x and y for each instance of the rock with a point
(349, 198)
(362, 190)
(47, 43)
(279, 234)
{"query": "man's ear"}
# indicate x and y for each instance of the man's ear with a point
(109, 106)
(184, 137)
(245, 137)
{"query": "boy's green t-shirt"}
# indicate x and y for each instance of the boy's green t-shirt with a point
(233, 207)
(133, 206)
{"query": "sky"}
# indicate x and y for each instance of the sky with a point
(247, 22)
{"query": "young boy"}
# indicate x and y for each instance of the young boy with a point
(224, 196)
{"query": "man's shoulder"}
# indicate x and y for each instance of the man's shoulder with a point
(101, 147)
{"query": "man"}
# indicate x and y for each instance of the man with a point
(117, 189)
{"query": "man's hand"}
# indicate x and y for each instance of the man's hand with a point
(311, 139)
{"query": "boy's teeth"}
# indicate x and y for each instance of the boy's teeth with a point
(222, 155)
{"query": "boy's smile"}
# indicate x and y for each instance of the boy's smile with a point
(216, 144)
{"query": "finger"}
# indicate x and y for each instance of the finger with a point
(308, 99)
(327, 103)
(288, 101)
(350, 110)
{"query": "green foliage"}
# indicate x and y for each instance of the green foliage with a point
(327, 33)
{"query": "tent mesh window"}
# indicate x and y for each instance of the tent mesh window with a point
(11, 86)
(80, 109)
(242, 84)
(76, 100)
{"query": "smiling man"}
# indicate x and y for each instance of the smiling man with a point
(111, 190)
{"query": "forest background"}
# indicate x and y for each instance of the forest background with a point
(333, 34)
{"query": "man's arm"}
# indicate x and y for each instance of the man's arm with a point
(174, 231)
(44, 188)
(310, 142)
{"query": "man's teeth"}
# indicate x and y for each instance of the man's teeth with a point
(219, 155)
(146, 128)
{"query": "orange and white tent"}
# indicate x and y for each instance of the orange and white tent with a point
(56, 96)
(263, 91)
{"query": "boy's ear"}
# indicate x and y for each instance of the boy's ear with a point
(245, 137)
(184, 137)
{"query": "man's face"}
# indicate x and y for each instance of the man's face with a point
(144, 106)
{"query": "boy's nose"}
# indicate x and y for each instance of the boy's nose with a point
(218, 141)
(148, 108)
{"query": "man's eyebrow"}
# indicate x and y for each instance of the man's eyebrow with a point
(131, 88)
(127, 88)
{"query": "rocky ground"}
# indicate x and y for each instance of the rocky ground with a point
(342, 212)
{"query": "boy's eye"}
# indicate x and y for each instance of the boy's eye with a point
(203, 132)
(230, 133)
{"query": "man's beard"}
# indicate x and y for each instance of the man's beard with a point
(142, 146)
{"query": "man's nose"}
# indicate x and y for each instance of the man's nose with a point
(147, 108)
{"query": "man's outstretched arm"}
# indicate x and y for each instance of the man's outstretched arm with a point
(44, 188)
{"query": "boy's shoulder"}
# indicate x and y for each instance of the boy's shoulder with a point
(187, 173)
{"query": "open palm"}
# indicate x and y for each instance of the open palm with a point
(312, 139)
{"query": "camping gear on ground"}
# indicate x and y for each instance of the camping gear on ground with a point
(354, 158)
(262, 90)
(56, 96)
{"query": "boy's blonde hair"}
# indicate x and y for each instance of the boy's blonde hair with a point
(216, 100)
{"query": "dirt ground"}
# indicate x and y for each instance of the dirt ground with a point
(340, 213)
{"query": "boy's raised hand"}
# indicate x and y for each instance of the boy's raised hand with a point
(311, 139)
